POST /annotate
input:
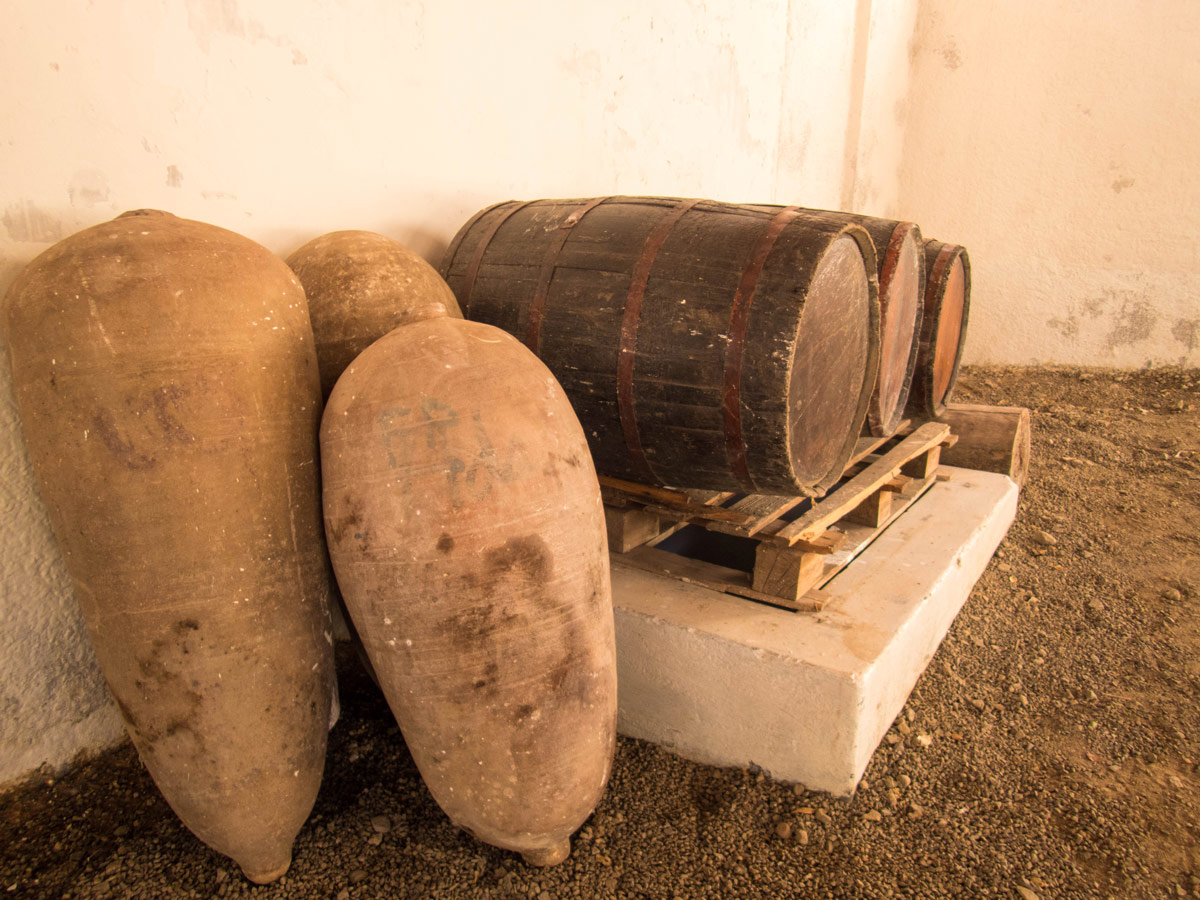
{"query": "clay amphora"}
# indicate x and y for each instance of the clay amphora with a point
(167, 385)
(466, 530)
(359, 285)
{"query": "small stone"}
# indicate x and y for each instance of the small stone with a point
(903, 727)
(865, 785)
(357, 875)
(905, 781)
(1172, 595)
(121, 830)
(1027, 894)
(978, 704)
(802, 836)
(1044, 537)
(805, 811)
(382, 824)
(924, 740)
(343, 894)
(784, 830)
(1095, 605)
(892, 738)
(221, 875)
(915, 810)
(799, 789)
(544, 895)
(823, 817)
(873, 816)
(375, 840)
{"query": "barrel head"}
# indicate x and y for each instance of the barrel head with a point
(833, 352)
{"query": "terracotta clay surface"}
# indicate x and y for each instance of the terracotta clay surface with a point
(702, 344)
(359, 285)
(467, 534)
(167, 386)
(944, 329)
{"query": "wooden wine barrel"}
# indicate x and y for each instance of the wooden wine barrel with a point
(943, 328)
(901, 303)
(702, 344)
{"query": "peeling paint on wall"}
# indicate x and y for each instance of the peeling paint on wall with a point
(1187, 332)
(88, 187)
(25, 222)
(1133, 322)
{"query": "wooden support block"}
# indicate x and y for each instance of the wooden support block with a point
(786, 572)
(990, 438)
(924, 466)
(873, 511)
(629, 528)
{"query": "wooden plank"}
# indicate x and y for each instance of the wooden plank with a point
(763, 508)
(709, 575)
(867, 445)
(829, 542)
(644, 491)
(850, 494)
(710, 498)
(697, 512)
(991, 438)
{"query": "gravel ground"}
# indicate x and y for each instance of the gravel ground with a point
(1050, 751)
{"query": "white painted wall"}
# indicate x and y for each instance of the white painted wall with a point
(284, 119)
(1059, 141)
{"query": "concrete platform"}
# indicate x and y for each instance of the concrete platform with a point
(806, 696)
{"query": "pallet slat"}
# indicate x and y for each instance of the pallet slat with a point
(874, 477)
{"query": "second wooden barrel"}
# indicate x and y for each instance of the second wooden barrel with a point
(702, 344)
(943, 329)
(901, 303)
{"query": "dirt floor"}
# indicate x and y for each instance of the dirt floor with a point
(1050, 751)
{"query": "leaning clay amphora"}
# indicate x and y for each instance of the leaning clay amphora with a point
(167, 386)
(467, 534)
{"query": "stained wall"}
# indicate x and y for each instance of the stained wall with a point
(1059, 141)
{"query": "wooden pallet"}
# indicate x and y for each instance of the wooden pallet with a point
(802, 543)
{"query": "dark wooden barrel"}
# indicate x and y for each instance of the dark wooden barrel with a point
(943, 328)
(702, 345)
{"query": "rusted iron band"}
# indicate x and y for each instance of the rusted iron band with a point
(735, 445)
(533, 331)
(477, 256)
(452, 250)
(629, 335)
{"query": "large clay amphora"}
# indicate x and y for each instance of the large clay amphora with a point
(359, 286)
(467, 533)
(167, 385)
